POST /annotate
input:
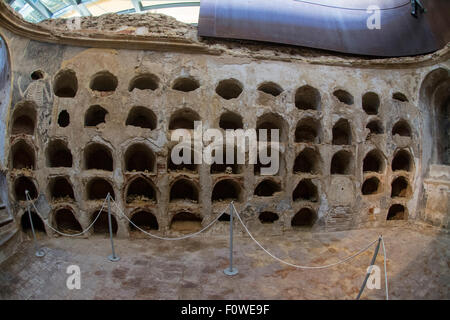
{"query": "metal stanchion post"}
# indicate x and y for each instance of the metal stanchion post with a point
(39, 252)
(113, 256)
(370, 270)
(230, 271)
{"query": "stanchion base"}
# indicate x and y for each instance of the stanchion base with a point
(113, 259)
(40, 253)
(231, 272)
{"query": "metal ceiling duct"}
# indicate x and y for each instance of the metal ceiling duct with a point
(337, 25)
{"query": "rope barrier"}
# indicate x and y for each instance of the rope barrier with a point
(299, 266)
(164, 238)
(69, 234)
(231, 270)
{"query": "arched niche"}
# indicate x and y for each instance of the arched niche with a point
(434, 100)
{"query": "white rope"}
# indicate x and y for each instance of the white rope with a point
(385, 269)
(164, 238)
(299, 266)
(69, 234)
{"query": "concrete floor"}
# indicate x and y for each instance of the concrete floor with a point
(418, 267)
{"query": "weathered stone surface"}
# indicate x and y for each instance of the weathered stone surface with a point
(360, 138)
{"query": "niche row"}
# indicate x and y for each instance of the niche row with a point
(142, 190)
(308, 129)
(65, 85)
(140, 193)
(64, 220)
(139, 157)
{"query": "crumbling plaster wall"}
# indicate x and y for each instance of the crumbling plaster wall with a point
(340, 205)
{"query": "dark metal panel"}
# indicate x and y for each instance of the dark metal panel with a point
(331, 25)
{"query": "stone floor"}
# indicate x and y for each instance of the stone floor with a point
(418, 267)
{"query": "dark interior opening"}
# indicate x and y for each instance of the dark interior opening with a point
(229, 89)
(400, 97)
(61, 189)
(139, 157)
(267, 217)
(370, 186)
(98, 189)
(271, 121)
(63, 119)
(397, 212)
(144, 220)
(307, 161)
(140, 189)
(304, 218)
(101, 226)
(66, 221)
(399, 187)
(23, 125)
(224, 217)
(270, 88)
(267, 188)
(23, 119)
(145, 81)
(342, 134)
(305, 191)
(23, 156)
(307, 98)
(185, 84)
(375, 127)
(38, 224)
(58, 155)
(226, 190)
(183, 119)
(141, 117)
(230, 120)
(104, 81)
(65, 84)
(308, 131)
(342, 163)
(36, 75)
(94, 116)
(186, 222)
(233, 168)
(98, 157)
(373, 162)
(401, 161)
(370, 103)
(402, 128)
(184, 190)
(344, 97)
(21, 184)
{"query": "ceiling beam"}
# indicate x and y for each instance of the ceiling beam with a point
(137, 5)
(81, 8)
(39, 7)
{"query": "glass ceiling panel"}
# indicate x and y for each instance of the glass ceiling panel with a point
(183, 10)
(55, 5)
